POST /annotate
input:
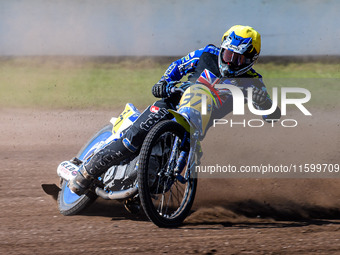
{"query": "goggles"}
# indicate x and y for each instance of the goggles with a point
(235, 59)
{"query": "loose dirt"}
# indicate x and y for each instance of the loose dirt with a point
(230, 216)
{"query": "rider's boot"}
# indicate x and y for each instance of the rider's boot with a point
(81, 182)
(111, 154)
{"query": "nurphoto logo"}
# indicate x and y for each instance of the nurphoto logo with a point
(239, 99)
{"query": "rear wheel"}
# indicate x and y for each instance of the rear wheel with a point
(70, 203)
(165, 200)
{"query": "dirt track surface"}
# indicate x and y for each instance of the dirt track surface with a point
(231, 216)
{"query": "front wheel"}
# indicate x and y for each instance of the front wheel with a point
(70, 203)
(165, 200)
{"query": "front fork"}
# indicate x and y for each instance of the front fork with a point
(187, 156)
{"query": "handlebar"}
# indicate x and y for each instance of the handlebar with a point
(175, 89)
(223, 92)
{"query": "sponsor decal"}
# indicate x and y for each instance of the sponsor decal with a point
(154, 109)
(68, 166)
(169, 70)
(153, 118)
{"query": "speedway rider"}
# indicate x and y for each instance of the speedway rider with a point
(239, 50)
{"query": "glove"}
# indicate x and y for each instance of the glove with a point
(162, 89)
(259, 96)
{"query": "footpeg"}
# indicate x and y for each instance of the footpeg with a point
(76, 161)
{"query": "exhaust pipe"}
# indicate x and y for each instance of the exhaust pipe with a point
(114, 195)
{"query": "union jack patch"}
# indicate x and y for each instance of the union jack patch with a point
(207, 78)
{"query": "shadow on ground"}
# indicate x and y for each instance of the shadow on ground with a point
(251, 213)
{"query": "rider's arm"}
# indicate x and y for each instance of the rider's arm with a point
(276, 115)
(185, 65)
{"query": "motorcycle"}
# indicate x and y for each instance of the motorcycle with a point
(161, 178)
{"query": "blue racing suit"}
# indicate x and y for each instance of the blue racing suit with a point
(188, 64)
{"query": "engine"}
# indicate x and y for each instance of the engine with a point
(121, 177)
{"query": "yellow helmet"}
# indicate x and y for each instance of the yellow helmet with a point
(240, 48)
